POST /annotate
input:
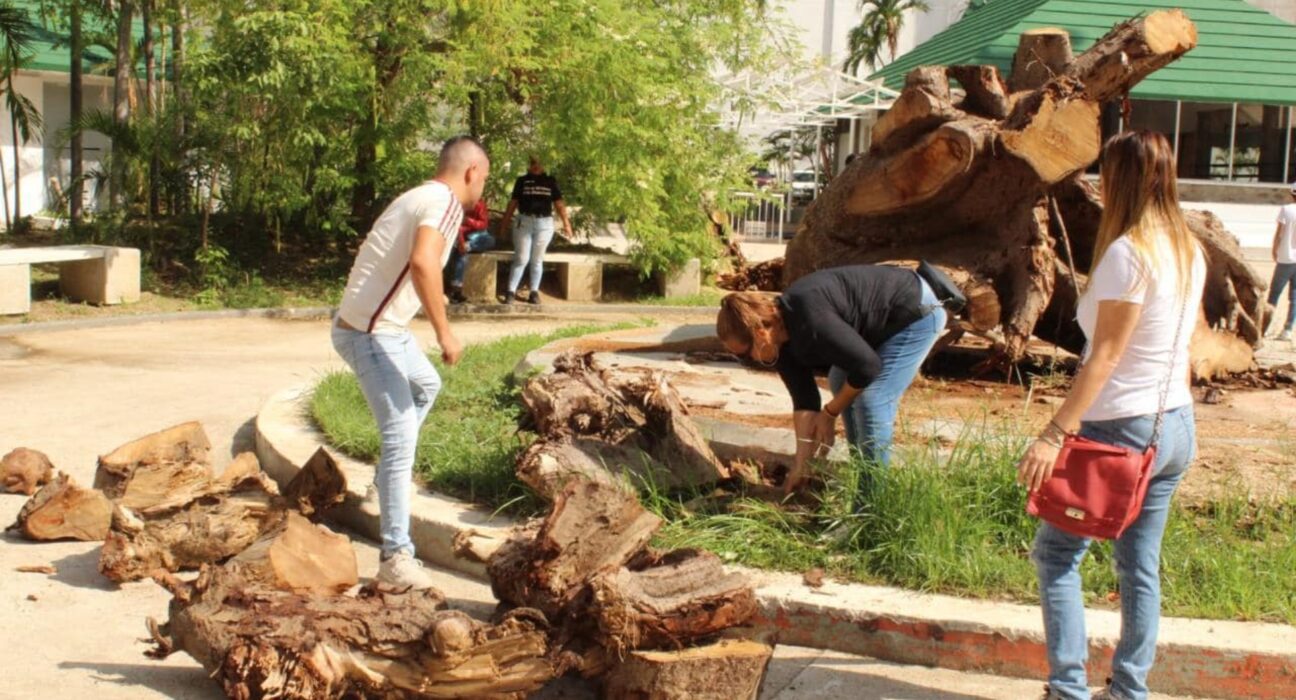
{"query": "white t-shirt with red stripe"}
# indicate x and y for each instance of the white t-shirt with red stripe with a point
(380, 296)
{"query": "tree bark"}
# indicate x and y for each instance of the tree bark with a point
(76, 193)
(122, 77)
(318, 485)
(64, 510)
(258, 641)
(986, 92)
(24, 471)
(1042, 55)
(730, 669)
(150, 101)
(185, 443)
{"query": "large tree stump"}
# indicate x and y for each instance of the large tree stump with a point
(263, 642)
(65, 510)
(630, 409)
(992, 194)
(727, 670)
(23, 471)
(684, 597)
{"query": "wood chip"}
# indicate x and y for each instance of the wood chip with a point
(814, 578)
(37, 569)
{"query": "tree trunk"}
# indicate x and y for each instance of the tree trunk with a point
(180, 203)
(628, 409)
(992, 196)
(258, 641)
(24, 471)
(150, 102)
(186, 442)
(17, 152)
(64, 510)
(76, 172)
(122, 78)
(730, 669)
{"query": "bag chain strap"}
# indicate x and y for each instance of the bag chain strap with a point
(1165, 389)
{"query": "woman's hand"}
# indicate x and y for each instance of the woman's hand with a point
(1036, 466)
(825, 430)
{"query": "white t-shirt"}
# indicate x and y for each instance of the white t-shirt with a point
(380, 296)
(1287, 239)
(1134, 388)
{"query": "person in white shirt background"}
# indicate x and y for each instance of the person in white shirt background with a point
(396, 272)
(1284, 254)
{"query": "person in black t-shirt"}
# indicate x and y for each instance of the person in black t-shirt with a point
(871, 326)
(535, 197)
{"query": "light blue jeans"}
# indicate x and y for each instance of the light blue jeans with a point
(1057, 556)
(400, 386)
(531, 238)
(870, 418)
(1284, 276)
(477, 241)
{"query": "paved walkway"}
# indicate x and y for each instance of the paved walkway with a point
(76, 394)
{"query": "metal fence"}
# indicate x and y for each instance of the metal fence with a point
(765, 216)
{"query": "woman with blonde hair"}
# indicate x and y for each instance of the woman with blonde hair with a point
(1137, 313)
(871, 326)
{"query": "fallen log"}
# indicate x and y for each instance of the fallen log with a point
(1003, 198)
(186, 443)
(24, 471)
(627, 409)
(259, 641)
(592, 528)
(548, 466)
(684, 597)
(730, 669)
(63, 510)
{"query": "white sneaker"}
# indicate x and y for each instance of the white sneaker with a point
(402, 570)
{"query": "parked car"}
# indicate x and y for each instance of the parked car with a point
(804, 187)
(761, 178)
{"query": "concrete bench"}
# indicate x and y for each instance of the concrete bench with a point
(92, 273)
(580, 275)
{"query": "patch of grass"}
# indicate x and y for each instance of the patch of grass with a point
(956, 524)
(468, 444)
(709, 296)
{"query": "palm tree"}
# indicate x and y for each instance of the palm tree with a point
(18, 34)
(881, 25)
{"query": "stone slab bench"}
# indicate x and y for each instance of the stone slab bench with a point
(91, 273)
(580, 275)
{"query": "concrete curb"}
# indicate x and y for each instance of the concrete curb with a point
(320, 313)
(1200, 658)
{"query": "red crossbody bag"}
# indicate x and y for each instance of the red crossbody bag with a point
(1097, 490)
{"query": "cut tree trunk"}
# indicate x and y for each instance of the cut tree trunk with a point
(262, 642)
(24, 471)
(548, 466)
(299, 556)
(986, 93)
(1002, 198)
(682, 598)
(628, 409)
(64, 510)
(186, 442)
(730, 669)
(591, 529)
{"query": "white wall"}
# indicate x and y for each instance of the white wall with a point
(31, 155)
(1284, 9)
(809, 20)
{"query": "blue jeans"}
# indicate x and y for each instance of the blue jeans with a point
(531, 238)
(477, 242)
(400, 386)
(1284, 276)
(1057, 556)
(870, 418)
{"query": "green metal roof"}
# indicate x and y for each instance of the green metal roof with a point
(51, 49)
(1243, 54)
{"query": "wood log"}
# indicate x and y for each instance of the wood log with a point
(186, 443)
(162, 486)
(986, 92)
(318, 485)
(592, 528)
(240, 507)
(299, 556)
(1055, 131)
(1132, 51)
(24, 471)
(1042, 55)
(730, 669)
(548, 466)
(917, 174)
(625, 408)
(682, 598)
(65, 510)
(262, 642)
(923, 105)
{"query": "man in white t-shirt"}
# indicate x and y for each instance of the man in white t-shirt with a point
(397, 272)
(1284, 254)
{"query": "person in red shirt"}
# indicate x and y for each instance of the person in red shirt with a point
(473, 238)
